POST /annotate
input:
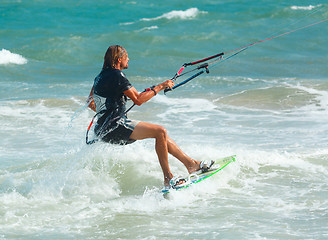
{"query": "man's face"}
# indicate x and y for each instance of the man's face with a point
(125, 62)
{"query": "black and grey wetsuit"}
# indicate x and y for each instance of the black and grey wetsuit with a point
(113, 125)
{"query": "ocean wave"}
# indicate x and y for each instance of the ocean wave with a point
(107, 185)
(187, 14)
(175, 14)
(310, 7)
(7, 57)
(147, 28)
(319, 103)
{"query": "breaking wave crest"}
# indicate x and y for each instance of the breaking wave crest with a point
(175, 14)
(7, 57)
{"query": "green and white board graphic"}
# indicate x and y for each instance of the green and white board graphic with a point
(198, 177)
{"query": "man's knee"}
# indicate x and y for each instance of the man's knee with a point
(161, 132)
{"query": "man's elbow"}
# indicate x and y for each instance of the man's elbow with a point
(137, 102)
(92, 107)
(91, 104)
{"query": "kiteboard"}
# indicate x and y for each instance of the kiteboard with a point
(199, 176)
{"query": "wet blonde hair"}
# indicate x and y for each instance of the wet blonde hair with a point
(113, 53)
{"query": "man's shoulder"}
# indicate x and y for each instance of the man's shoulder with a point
(114, 73)
(119, 73)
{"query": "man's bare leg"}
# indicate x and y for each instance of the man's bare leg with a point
(191, 164)
(145, 130)
(163, 145)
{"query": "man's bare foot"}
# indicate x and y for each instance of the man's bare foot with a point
(194, 166)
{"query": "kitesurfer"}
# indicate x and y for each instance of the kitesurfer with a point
(108, 98)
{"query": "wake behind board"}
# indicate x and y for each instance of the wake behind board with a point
(198, 177)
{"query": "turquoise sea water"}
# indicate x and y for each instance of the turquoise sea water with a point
(268, 105)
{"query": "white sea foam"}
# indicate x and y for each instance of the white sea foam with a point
(310, 7)
(321, 99)
(147, 28)
(7, 57)
(187, 14)
(183, 105)
(95, 185)
(175, 14)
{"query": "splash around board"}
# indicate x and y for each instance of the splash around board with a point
(199, 176)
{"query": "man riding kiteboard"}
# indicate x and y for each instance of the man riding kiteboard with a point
(108, 98)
